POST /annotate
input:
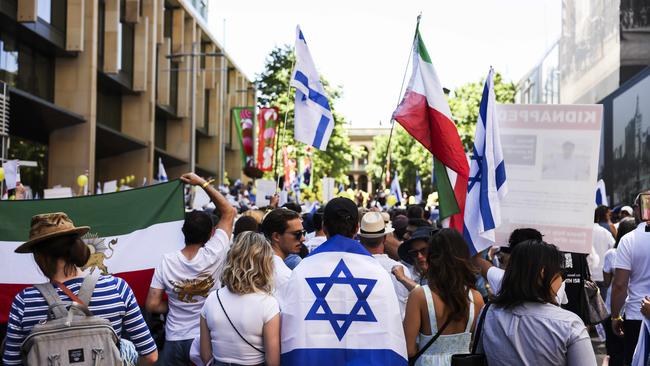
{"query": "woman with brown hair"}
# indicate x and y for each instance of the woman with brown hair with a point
(240, 323)
(449, 300)
(59, 253)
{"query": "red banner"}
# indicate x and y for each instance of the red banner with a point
(268, 121)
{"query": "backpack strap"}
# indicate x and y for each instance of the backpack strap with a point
(53, 300)
(88, 287)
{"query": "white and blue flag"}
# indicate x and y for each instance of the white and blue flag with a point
(340, 308)
(418, 188)
(642, 350)
(395, 188)
(487, 176)
(601, 193)
(162, 173)
(313, 121)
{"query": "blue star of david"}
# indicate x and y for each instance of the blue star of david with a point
(360, 312)
(479, 174)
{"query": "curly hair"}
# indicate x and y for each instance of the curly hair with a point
(450, 272)
(249, 266)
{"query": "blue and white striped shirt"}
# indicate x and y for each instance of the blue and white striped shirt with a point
(112, 299)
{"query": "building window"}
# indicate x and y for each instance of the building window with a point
(52, 12)
(25, 68)
(160, 132)
(109, 109)
(173, 85)
(44, 10)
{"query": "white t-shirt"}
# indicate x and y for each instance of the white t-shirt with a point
(248, 314)
(608, 267)
(495, 277)
(281, 274)
(314, 242)
(633, 254)
(188, 283)
(401, 291)
(602, 240)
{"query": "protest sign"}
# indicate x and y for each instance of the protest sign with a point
(264, 188)
(551, 155)
(328, 189)
(57, 192)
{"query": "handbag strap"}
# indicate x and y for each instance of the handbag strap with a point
(431, 341)
(479, 328)
(233, 325)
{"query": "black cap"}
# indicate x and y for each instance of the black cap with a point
(341, 208)
(421, 233)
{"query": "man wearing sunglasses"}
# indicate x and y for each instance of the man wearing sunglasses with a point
(283, 229)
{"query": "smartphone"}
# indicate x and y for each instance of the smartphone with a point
(644, 206)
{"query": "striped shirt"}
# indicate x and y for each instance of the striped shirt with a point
(112, 299)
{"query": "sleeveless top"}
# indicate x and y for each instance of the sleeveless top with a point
(440, 352)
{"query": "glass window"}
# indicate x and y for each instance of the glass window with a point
(173, 85)
(109, 109)
(8, 60)
(160, 132)
(44, 10)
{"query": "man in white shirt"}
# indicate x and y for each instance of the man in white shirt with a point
(319, 235)
(372, 236)
(283, 229)
(187, 276)
(602, 240)
(631, 284)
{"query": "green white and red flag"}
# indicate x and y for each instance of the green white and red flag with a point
(424, 113)
(130, 231)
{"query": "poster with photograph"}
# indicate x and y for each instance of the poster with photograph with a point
(551, 154)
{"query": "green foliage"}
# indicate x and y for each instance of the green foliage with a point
(407, 154)
(273, 86)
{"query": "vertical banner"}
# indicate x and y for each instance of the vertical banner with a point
(267, 124)
(243, 118)
(552, 166)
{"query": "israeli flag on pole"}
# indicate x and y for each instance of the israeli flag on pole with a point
(418, 188)
(162, 174)
(395, 188)
(487, 177)
(601, 193)
(313, 121)
(340, 308)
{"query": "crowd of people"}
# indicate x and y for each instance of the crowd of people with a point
(249, 260)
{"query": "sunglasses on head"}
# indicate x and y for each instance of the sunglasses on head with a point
(298, 234)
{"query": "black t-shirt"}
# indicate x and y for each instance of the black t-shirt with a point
(577, 271)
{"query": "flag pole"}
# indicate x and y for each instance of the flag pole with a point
(284, 127)
(399, 99)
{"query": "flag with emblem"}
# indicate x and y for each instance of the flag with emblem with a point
(339, 308)
(313, 121)
(129, 233)
(425, 114)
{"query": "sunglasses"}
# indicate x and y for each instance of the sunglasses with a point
(298, 234)
(413, 253)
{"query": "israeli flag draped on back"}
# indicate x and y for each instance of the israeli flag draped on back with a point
(487, 177)
(339, 308)
(313, 121)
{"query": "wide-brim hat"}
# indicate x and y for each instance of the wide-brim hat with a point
(47, 226)
(373, 226)
(422, 233)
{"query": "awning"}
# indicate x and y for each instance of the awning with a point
(109, 142)
(34, 118)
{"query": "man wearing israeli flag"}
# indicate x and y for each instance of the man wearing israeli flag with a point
(339, 306)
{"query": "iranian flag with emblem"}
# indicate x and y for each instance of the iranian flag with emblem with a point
(425, 114)
(129, 233)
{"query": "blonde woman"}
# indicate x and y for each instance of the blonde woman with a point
(240, 322)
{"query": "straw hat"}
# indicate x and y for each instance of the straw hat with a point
(373, 226)
(49, 225)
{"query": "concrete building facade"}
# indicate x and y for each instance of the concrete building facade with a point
(109, 87)
(361, 139)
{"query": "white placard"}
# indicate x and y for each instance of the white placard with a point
(551, 155)
(12, 173)
(58, 192)
(264, 188)
(328, 189)
(201, 199)
(110, 186)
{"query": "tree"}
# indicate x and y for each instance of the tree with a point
(273, 88)
(407, 154)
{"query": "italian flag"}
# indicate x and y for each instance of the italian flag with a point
(425, 114)
(129, 233)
